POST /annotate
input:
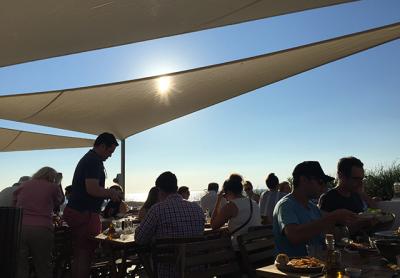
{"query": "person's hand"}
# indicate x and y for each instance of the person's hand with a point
(343, 216)
(221, 195)
(115, 195)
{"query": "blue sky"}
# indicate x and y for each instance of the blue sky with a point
(349, 107)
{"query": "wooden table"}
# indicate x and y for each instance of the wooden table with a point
(372, 265)
(119, 249)
(128, 243)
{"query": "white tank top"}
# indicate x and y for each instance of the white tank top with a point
(243, 206)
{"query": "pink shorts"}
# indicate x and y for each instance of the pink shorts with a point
(84, 227)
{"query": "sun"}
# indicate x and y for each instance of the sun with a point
(164, 84)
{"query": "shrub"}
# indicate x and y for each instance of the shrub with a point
(379, 181)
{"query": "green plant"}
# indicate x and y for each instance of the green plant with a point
(379, 181)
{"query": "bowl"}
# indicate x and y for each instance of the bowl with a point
(353, 272)
(388, 248)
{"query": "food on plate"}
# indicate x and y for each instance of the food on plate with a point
(357, 246)
(377, 214)
(282, 259)
(397, 232)
(306, 262)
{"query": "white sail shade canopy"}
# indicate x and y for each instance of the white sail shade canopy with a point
(18, 140)
(127, 108)
(32, 30)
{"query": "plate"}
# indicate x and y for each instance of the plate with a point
(290, 268)
(387, 234)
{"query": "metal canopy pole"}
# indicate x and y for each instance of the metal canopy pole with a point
(122, 181)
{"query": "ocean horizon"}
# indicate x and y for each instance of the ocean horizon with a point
(195, 195)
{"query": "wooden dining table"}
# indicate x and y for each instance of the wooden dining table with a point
(371, 264)
(121, 247)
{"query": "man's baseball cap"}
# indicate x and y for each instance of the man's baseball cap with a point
(311, 169)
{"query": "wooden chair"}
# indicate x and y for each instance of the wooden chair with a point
(257, 249)
(166, 251)
(62, 252)
(208, 258)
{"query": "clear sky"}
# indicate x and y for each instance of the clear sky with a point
(348, 107)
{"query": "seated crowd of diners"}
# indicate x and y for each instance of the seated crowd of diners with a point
(299, 214)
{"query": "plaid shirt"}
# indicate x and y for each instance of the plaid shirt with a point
(172, 218)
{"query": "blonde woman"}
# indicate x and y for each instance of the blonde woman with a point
(38, 197)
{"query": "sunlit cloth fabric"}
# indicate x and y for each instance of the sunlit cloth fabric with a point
(133, 106)
(72, 26)
(19, 140)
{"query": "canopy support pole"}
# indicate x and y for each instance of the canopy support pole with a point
(122, 181)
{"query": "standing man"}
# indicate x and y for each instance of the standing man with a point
(88, 194)
(297, 222)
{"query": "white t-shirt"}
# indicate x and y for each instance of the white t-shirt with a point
(243, 206)
(208, 201)
(268, 201)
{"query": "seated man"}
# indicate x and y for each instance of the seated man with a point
(349, 193)
(172, 217)
(184, 192)
(296, 221)
(115, 208)
(209, 200)
(269, 199)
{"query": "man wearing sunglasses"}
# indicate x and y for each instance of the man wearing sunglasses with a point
(298, 225)
(346, 195)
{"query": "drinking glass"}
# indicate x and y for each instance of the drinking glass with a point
(341, 234)
(396, 189)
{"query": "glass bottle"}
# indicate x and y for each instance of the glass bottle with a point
(333, 263)
(111, 231)
(396, 190)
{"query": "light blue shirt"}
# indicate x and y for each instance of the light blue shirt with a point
(289, 211)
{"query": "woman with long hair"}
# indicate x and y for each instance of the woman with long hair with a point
(152, 198)
(38, 197)
(240, 213)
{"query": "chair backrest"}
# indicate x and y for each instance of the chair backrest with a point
(208, 258)
(10, 225)
(62, 252)
(257, 249)
(166, 251)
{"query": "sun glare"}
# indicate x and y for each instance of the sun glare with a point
(164, 84)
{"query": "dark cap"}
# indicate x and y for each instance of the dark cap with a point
(311, 169)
